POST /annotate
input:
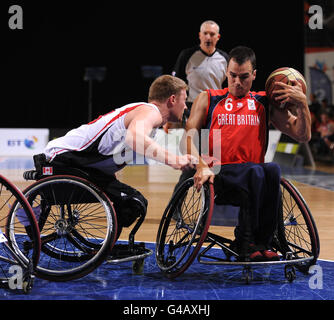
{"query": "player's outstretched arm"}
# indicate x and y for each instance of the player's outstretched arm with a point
(143, 121)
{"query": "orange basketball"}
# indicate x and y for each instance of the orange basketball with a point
(285, 75)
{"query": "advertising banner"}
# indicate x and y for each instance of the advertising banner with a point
(319, 73)
(23, 142)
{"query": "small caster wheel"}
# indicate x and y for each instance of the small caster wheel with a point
(27, 284)
(288, 255)
(138, 266)
(290, 273)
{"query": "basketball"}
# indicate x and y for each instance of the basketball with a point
(285, 75)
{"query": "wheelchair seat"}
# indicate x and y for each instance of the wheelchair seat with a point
(44, 169)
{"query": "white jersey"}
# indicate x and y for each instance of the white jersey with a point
(104, 136)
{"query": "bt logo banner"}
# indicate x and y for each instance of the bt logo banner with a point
(21, 142)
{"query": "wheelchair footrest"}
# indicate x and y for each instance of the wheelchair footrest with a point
(125, 252)
(204, 259)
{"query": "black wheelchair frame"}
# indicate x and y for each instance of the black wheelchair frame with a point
(184, 228)
(19, 239)
(78, 224)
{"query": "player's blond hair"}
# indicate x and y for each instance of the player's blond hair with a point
(165, 86)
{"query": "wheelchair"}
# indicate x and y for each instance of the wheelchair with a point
(184, 228)
(77, 223)
(20, 243)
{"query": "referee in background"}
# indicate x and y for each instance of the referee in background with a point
(203, 66)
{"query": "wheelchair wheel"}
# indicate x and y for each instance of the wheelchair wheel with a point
(183, 227)
(77, 223)
(19, 237)
(296, 231)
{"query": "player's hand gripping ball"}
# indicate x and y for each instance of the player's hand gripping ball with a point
(285, 75)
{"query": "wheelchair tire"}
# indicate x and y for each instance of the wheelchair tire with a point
(296, 230)
(78, 226)
(183, 227)
(20, 243)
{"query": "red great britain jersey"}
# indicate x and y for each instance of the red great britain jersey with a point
(241, 126)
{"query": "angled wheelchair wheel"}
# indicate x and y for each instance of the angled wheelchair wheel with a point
(19, 238)
(77, 223)
(183, 227)
(296, 232)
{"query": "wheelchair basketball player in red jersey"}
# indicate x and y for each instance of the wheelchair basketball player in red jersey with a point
(243, 117)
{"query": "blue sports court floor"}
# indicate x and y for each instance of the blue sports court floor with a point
(199, 282)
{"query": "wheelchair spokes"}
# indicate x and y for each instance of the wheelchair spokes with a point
(19, 238)
(298, 228)
(178, 240)
(181, 232)
(77, 226)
